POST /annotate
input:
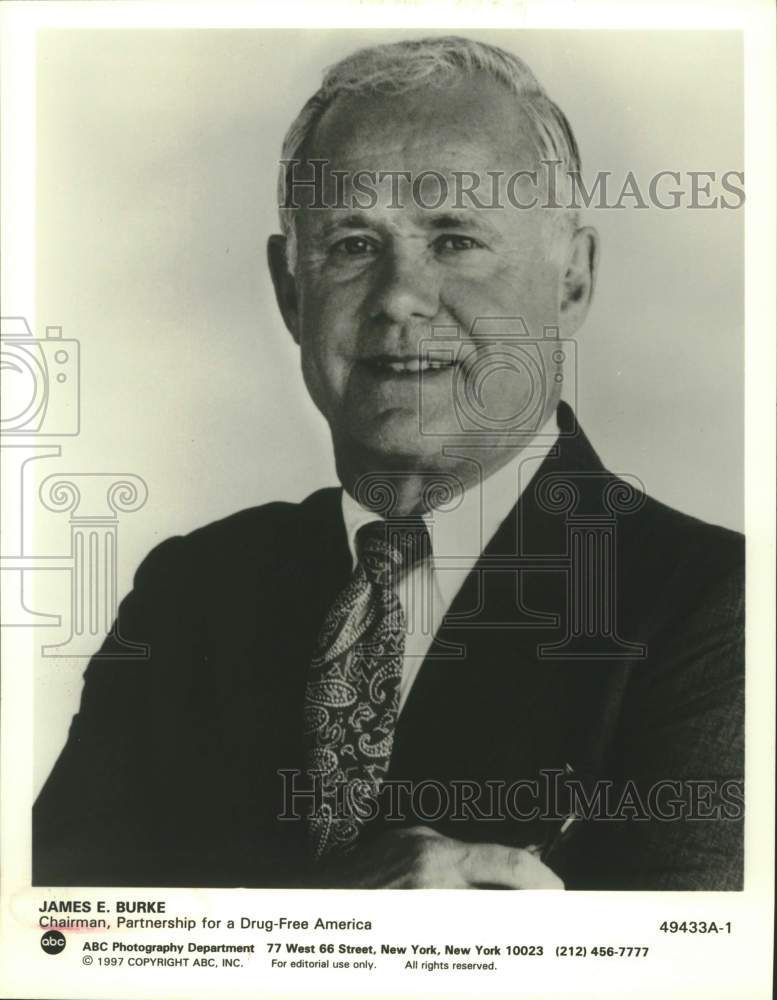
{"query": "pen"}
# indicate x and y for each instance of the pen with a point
(563, 832)
(560, 836)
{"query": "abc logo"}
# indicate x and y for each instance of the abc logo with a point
(53, 942)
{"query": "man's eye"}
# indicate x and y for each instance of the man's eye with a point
(455, 241)
(354, 246)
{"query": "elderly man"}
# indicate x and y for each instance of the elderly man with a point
(485, 661)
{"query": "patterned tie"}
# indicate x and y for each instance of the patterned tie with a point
(352, 695)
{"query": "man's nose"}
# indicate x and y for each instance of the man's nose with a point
(407, 288)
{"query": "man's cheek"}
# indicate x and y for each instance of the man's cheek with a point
(327, 352)
(471, 298)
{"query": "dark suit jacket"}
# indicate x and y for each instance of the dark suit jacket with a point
(170, 774)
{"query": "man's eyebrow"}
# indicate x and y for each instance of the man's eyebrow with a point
(357, 220)
(427, 219)
(450, 220)
(460, 220)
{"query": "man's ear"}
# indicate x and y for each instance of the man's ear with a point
(578, 279)
(284, 284)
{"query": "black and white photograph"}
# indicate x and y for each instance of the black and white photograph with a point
(379, 432)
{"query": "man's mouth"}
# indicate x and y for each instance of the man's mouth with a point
(408, 366)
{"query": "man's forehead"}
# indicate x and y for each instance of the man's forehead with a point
(475, 124)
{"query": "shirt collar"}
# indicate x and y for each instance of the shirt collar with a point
(460, 535)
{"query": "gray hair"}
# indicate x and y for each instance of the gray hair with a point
(406, 66)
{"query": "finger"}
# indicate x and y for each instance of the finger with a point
(511, 867)
(427, 832)
(397, 859)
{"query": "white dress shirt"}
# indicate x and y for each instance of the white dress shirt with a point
(458, 536)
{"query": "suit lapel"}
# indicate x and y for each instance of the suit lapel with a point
(485, 703)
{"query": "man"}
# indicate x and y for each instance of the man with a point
(482, 612)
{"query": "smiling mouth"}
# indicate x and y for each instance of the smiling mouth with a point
(408, 366)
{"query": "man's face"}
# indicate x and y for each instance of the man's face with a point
(370, 285)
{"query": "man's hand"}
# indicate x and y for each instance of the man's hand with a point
(420, 858)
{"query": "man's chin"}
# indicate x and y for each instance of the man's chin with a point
(393, 440)
(411, 454)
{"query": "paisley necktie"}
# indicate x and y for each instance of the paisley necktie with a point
(352, 695)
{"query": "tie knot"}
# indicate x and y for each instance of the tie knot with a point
(386, 548)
